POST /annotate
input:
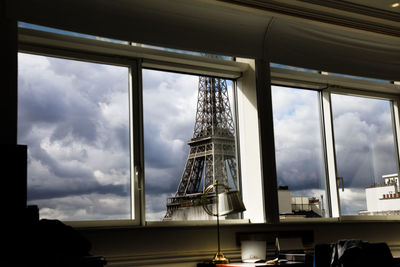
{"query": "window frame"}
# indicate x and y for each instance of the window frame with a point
(394, 103)
(133, 66)
(327, 85)
(234, 110)
(324, 154)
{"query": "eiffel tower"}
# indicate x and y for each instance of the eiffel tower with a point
(212, 155)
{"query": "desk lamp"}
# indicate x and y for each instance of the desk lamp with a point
(227, 202)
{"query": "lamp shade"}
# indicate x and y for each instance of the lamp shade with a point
(230, 202)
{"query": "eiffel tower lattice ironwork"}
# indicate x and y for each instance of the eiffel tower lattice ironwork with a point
(212, 155)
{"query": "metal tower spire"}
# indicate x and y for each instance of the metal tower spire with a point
(212, 148)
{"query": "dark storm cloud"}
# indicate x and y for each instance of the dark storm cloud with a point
(53, 104)
(45, 107)
(159, 151)
(76, 189)
(59, 168)
(122, 136)
(84, 128)
(301, 173)
(163, 180)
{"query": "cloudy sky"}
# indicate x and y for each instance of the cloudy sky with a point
(74, 117)
(298, 143)
(169, 104)
(365, 148)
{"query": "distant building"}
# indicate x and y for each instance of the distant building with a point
(383, 199)
(298, 206)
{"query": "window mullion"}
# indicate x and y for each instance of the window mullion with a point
(396, 129)
(249, 144)
(266, 131)
(137, 162)
(330, 154)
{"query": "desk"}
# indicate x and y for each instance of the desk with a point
(239, 264)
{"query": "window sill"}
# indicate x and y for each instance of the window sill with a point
(197, 223)
(123, 224)
(109, 224)
(288, 220)
(102, 224)
(343, 219)
(348, 218)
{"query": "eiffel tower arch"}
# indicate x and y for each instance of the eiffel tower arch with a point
(212, 154)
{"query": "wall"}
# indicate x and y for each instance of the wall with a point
(186, 245)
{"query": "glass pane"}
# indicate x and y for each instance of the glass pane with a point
(299, 153)
(365, 154)
(189, 141)
(74, 117)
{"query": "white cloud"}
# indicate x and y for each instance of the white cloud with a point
(112, 176)
(85, 207)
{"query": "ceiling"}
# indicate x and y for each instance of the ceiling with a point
(342, 38)
(377, 4)
(371, 15)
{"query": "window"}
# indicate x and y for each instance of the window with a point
(365, 154)
(74, 117)
(91, 153)
(299, 153)
(335, 147)
(189, 142)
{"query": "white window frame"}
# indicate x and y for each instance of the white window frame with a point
(333, 182)
(133, 79)
(327, 85)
